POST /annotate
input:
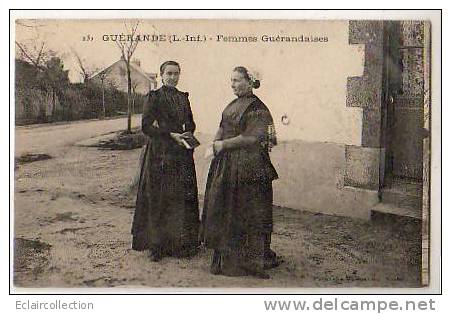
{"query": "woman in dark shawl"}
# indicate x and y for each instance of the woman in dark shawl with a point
(237, 215)
(166, 219)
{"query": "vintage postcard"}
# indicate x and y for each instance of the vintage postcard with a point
(221, 153)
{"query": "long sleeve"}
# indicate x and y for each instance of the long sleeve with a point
(239, 141)
(150, 124)
(220, 132)
(254, 128)
(259, 123)
(234, 142)
(190, 125)
(256, 122)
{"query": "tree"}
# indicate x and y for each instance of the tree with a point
(85, 70)
(127, 49)
(57, 78)
(36, 54)
(135, 85)
(33, 48)
(49, 67)
(102, 77)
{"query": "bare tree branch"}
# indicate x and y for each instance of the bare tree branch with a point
(127, 49)
(134, 43)
(84, 71)
(27, 56)
(38, 59)
(121, 47)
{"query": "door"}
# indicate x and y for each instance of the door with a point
(404, 100)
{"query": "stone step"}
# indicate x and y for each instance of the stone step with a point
(402, 200)
(406, 194)
(389, 208)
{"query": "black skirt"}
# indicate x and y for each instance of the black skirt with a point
(167, 211)
(237, 218)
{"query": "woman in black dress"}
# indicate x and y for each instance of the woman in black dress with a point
(237, 213)
(166, 219)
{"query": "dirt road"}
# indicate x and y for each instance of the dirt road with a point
(73, 214)
(55, 136)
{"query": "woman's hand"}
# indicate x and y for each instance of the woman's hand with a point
(218, 147)
(177, 137)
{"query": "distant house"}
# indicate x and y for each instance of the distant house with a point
(116, 74)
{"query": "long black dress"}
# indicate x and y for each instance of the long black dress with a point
(167, 212)
(237, 213)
